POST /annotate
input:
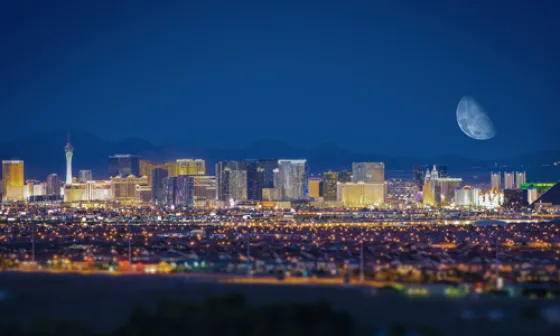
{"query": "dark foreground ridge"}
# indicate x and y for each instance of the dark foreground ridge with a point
(155, 305)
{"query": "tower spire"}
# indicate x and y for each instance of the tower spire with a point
(427, 175)
(435, 173)
(69, 150)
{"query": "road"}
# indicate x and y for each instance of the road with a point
(221, 277)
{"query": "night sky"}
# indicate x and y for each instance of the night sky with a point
(373, 76)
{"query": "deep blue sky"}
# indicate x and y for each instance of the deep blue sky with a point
(374, 76)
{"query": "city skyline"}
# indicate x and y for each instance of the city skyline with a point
(185, 182)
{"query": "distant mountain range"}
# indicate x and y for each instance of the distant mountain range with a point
(43, 154)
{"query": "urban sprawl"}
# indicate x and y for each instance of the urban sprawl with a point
(271, 220)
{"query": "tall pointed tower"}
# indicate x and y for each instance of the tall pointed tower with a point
(435, 173)
(427, 190)
(69, 151)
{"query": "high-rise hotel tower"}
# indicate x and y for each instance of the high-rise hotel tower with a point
(69, 151)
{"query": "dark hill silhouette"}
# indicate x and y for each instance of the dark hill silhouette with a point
(43, 154)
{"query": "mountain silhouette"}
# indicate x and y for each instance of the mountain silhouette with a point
(43, 154)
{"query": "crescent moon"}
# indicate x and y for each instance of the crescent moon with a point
(473, 121)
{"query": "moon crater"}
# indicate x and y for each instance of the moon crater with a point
(473, 121)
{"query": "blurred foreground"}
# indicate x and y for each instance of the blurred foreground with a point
(156, 305)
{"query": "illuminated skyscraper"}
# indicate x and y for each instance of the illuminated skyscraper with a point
(185, 191)
(496, 180)
(171, 168)
(124, 188)
(447, 186)
(509, 180)
(143, 194)
(357, 195)
(186, 167)
(40, 189)
(434, 173)
(158, 186)
(439, 190)
(69, 150)
(368, 172)
(420, 173)
(520, 178)
(260, 175)
(204, 190)
(315, 187)
(428, 189)
(169, 191)
(274, 193)
(292, 179)
(193, 190)
(276, 178)
(330, 184)
(330, 180)
(75, 192)
(53, 185)
(29, 188)
(231, 181)
(12, 180)
(98, 190)
(123, 165)
(85, 175)
(466, 196)
(419, 176)
(146, 168)
(191, 167)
